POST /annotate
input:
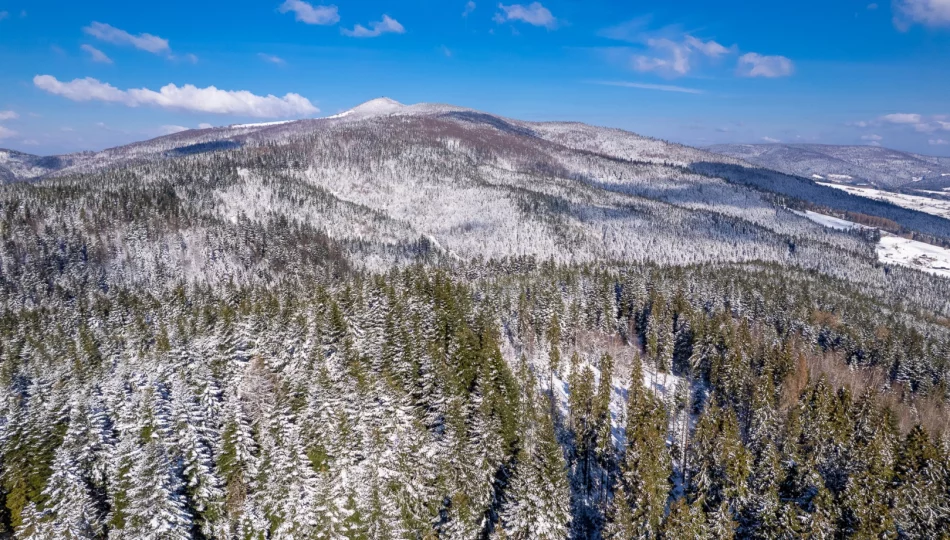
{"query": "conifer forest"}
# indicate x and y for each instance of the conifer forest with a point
(436, 323)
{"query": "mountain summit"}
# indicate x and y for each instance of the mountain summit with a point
(374, 107)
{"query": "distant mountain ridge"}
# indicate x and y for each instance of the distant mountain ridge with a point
(874, 165)
(501, 151)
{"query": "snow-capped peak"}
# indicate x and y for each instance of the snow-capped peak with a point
(375, 107)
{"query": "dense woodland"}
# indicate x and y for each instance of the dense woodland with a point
(295, 339)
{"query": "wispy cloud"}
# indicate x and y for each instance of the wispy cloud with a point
(668, 51)
(271, 58)
(116, 36)
(673, 57)
(387, 25)
(469, 9)
(96, 55)
(771, 140)
(939, 142)
(919, 122)
(4, 15)
(187, 98)
(534, 14)
(708, 48)
(927, 12)
(8, 115)
(757, 65)
(648, 86)
(310, 14)
(6, 133)
(205, 126)
(902, 118)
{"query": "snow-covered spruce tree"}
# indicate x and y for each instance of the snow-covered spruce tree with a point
(537, 499)
(640, 503)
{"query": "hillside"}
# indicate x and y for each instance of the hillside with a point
(873, 165)
(425, 321)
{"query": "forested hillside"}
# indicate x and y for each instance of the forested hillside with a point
(435, 323)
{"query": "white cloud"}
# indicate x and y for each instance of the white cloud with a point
(902, 118)
(187, 97)
(96, 55)
(191, 58)
(469, 9)
(30, 142)
(647, 86)
(111, 34)
(771, 140)
(6, 133)
(204, 126)
(271, 58)
(871, 138)
(386, 26)
(8, 115)
(671, 57)
(676, 62)
(926, 12)
(938, 142)
(757, 65)
(310, 14)
(534, 14)
(709, 48)
(171, 130)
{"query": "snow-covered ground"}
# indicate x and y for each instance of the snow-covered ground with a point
(262, 124)
(898, 250)
(928, 205)
(376, 107)
(828, 221)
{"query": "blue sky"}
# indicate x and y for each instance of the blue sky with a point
(89, 75)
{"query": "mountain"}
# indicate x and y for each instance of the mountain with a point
(427, 321)
(877, 166)
(15, 166)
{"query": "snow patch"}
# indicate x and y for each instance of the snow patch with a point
(936, 207)
(376, 107)
(830, 222)
(262, 124)
(913, 254)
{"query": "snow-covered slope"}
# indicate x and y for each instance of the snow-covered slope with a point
(877, 166)
(376, 107)
(921, 201)
(15, 166)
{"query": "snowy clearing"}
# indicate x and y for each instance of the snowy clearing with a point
(895, 249)
(921, 204)
(925, 257)
(831, 222)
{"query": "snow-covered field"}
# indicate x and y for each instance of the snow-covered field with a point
(831, 222)
(898, 250)
(928, 205)
(895, 249)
